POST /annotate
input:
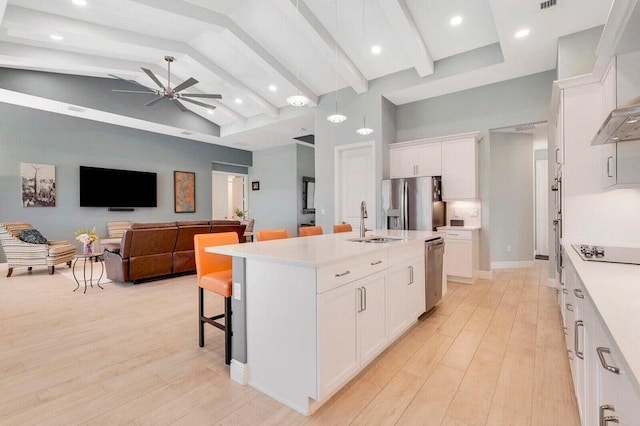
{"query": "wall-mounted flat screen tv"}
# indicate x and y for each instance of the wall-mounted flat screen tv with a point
(117, 188)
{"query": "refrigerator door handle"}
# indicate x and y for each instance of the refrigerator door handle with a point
(405, 204)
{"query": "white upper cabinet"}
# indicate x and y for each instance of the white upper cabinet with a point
(417, 159)
(609, 103)
(460, 169)
(559, 131)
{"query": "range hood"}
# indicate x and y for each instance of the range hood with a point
(623, 124)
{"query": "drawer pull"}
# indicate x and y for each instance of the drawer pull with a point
(343, 274)
(565, 291)
(410, 275)
(601, 351)
(576, 338)
(569, 307)
(451, 233)
(578, 293)
(377, 262)
(606, 419)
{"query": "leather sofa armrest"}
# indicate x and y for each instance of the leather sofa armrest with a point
(112, 251)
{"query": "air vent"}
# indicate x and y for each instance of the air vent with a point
(310, 139)
(525, 127)
(547, 4)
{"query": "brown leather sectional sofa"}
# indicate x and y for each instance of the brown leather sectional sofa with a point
(150, 250)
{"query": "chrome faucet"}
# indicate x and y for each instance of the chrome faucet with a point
(363, 216)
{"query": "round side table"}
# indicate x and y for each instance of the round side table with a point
(88, 261)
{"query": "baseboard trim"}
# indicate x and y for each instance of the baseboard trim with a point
(483, 275)
(510, 265)
(3, 266)
(239, 372)
(460, 280)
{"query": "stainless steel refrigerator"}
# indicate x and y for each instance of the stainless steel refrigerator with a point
(413, 203)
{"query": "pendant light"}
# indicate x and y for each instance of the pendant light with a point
(364, 130)
(297, 100)
(336, 117)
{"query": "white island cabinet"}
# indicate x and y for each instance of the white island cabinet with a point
(310, 313)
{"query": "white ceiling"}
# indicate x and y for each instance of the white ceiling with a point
(240, 47)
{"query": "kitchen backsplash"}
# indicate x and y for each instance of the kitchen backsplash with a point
(469, 211)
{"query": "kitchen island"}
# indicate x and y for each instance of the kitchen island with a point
(310, 313)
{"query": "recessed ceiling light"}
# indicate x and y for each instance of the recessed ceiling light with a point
(209, 111)
(238, 100)
(376, 49)
(522, 33)
(273, 87)
(456, 20)
(79, 2)
(56, 37)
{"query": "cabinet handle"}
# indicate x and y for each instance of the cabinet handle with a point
(343, 274)
(601, 351)
(569, 352)
(566, 332)
(359, 299)
(377, 262)
(606, 419)
(569, 307)
(557, 152)
(364, 290)
(565, 291)
(576, 338)
(410, 275)
(609, 158)
(451, 233)
(417, 170)
(578, 293)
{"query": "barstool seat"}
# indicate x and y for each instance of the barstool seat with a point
(218, 282)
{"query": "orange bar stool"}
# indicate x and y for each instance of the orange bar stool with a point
(272, 234)
(307, 231)
(215, 274)
(342, 227)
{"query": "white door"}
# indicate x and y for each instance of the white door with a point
(355, 181)
(542, 208)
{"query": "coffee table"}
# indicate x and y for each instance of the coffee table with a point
(88, 261)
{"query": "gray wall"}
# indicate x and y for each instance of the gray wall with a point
(577, 52)
(305, 157)
(504, 104)
(34, 136)
(512, 195)
(275, 204)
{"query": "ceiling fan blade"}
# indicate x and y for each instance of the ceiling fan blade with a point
(200, 95)
(202, 104)
(134, 91)
(179, 105)
(154, 101)
(131, 81)
(187, 83)
(153, 77)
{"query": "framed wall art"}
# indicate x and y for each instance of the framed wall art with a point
(38, 185)
(184, 192)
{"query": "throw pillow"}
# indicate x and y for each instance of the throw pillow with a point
(32, 236)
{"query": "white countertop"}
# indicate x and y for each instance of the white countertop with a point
(318, 250)
(458, 228)
(614, 289)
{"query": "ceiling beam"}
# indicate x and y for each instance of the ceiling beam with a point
(348, 70)
(399, 15)
(19, 14)
(31, 57)
(201, 14)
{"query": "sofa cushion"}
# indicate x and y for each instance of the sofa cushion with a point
(32, 236)
(152, 225)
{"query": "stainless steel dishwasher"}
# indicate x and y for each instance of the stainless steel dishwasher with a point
(434, 254)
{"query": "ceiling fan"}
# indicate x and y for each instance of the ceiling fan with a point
(167, 92)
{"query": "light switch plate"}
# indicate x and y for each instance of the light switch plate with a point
(237, 291)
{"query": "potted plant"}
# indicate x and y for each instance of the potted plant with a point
(239, 213)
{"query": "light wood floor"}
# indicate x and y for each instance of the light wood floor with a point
(491, 353)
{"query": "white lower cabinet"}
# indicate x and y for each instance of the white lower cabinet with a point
(604, 392)
(461, 254)
(406, 295)
(351, 329)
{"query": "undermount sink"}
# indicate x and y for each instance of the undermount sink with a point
(374, 239)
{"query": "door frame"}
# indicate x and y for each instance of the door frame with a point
(538, 219)
(338, 152)
(245, 192)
